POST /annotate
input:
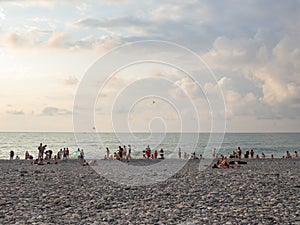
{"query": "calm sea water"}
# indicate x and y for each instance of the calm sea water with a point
(94, 143)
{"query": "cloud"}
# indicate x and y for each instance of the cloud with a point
(22, 40)
(53, 111)
(15, 112)
(70, 80)
(2, 14)
(134, 25)
(59, 40)
(30, 3)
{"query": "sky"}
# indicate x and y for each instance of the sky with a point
(249, 58)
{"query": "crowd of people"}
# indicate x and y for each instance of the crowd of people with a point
(45, 156)
(124, 153)
(236, 158)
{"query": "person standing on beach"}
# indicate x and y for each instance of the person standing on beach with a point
(26, 155)
(129, 153)
(179, 153)
(239, 151)
(82, 154)
(11, 155)
(214, 154)
(107, 153)
(41, 149)
(251, 154)
(67, 152)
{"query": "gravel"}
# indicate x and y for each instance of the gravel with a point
(264, 191)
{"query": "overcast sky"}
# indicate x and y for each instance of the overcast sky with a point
(252, 49)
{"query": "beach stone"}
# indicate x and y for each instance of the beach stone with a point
(3, 202)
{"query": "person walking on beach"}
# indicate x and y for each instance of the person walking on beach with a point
(179, 153)
(107, 153)
(11, 155)
(128, 156)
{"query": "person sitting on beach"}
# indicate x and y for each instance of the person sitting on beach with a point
(144, 154)
(246, 156)
(185, 156)
(38, 162)
(257, 156)
(161, 153)
(287, 155)
(193, 155)
(263, 155)
(224, 163)
(295, 155)
(85, 163)
(17, 157)
(117, 156)
(233, 155)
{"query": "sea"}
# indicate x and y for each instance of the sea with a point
(94, 144)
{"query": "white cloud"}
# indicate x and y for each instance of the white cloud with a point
(15, 112)
(53, 111)
(59, 40)
(2, 14)
(70, 80)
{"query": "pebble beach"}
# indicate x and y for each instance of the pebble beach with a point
(264, 191)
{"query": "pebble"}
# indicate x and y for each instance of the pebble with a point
(256, 193)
